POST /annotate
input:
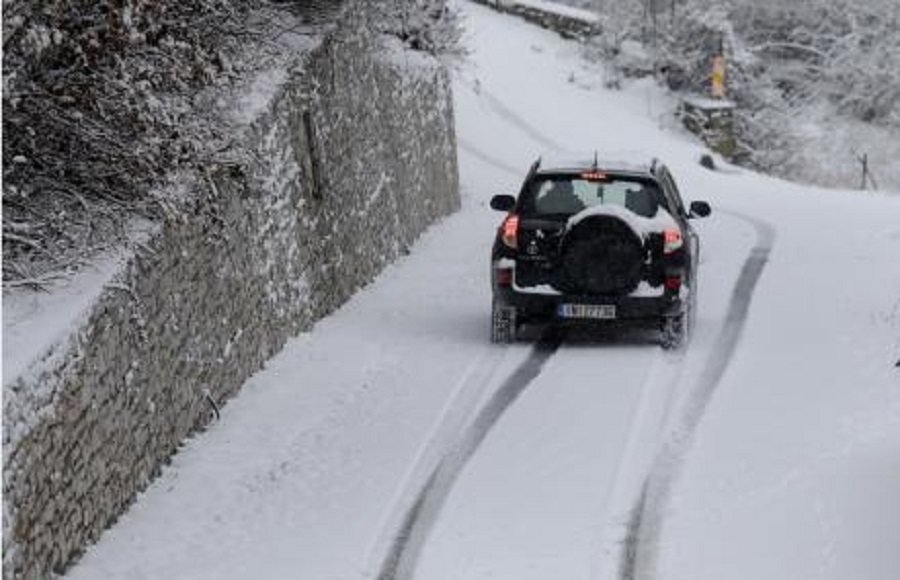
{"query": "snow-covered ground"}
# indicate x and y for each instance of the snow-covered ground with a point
(769, 449)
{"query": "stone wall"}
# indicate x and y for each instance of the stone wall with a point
(352, 157)
(712, 120)
(566, 25)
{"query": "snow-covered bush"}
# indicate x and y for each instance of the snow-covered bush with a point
(848, 52)
(810, 63)
(428, 25)
(99, 105)
(790, 63)
(102, 101)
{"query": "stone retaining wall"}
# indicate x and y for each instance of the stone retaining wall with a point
(567, 26)
(353, 157)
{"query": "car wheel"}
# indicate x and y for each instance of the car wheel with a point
(504, 323)
(676, 330)
(672, 335)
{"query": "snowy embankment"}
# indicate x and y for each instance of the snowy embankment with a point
(784, 465)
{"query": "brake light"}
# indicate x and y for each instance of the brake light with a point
(510, 231)
(672, 241)
(594, 176)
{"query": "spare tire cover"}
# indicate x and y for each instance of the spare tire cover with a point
(601, 255)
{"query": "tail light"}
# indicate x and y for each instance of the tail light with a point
(672, 241)
(510, 231)
(673, 283)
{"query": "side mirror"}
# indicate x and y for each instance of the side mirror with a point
(699, 209)
(503, 202)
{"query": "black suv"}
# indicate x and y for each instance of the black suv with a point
(597, 243)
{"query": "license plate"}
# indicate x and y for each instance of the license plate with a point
(592, 311)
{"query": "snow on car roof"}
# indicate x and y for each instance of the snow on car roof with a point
(620, 161)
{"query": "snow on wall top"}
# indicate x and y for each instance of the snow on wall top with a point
(410, 61)
(560, 9)
(256, 95)
(34, 323)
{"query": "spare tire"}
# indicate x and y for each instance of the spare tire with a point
(600, 255)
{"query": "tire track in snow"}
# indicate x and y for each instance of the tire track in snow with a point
(639, 554)
(510, 116)
(403, 555)
(664, 373)
(468, 393)
(487, 158)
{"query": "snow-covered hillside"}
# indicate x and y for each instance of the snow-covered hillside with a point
(770, 448)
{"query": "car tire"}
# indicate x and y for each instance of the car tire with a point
(504, 323)
(676, 330)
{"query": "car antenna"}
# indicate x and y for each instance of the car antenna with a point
(596, 162)
(534, 167)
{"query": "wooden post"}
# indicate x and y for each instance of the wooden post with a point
(867, 177)
(865, 170)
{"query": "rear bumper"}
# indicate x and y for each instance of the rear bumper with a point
(628, 308)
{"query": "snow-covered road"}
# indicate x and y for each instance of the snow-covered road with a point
(394, 441)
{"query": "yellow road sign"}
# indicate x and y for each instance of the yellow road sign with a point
(717, 87)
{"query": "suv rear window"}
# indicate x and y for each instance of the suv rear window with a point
(568, 194)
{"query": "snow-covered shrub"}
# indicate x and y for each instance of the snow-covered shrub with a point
(427, 25)
(619, 22)
(103, 101)
(813, 62)
(847, 52)
(789, 63)
(99, 105)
